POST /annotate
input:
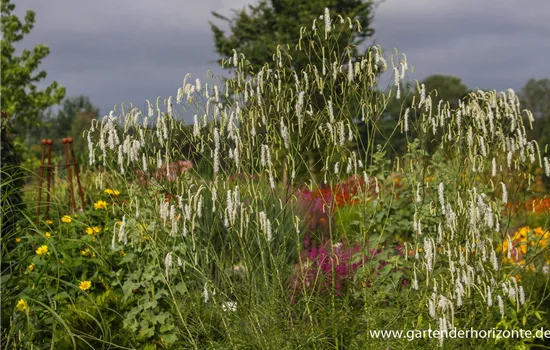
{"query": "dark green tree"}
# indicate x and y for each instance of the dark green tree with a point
(20, 97)
(269, 24)
(449, 88)
(257, 32)
(63, 122)
(535, 96)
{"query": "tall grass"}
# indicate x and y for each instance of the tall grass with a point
(223, 255)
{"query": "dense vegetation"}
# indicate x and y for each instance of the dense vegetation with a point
(304, 207)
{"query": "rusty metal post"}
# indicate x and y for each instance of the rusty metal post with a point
(77, 173)
(69, 173)
(48, 174)
(44, 141)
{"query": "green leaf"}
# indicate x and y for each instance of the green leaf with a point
(166, 327)
(170, 338)
(181, 288)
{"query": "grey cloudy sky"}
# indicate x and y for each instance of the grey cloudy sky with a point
(130, 51)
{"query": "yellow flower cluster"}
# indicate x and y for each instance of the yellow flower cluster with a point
(93, 230)
(87, 252)
(112, 192)
(42, 250)
(21, 305)
(523, 238)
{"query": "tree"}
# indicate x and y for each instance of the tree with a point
(535, 96)
(273, 24)
(70, 109)
(20, 97)
(278, 22)
(449, 88)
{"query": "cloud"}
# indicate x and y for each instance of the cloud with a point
(489, 44)
(123, 50)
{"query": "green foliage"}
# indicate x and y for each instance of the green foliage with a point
(20, 96)
(80, 123)
(535, 96)
(12, 183)
(68, 115)
(11, 207)
(448, 88)
(214, 254)
(257, 33)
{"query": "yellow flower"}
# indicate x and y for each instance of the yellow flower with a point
(31, 267)
(62, 261)
(523, 248)
(112, 192)
(93, 230)
(49, 222)
(21, 305)
(66, 218)
(538, 231)
(47, 235)
(100, 205)
(18, 240)
(521, 234)
(42, 250)
(85, 252)
(85, 285)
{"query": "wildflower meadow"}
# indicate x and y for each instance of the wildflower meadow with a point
(280, 218)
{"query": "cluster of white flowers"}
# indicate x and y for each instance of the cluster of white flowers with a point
(262, 113)
(265, 225)
(494, 128)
